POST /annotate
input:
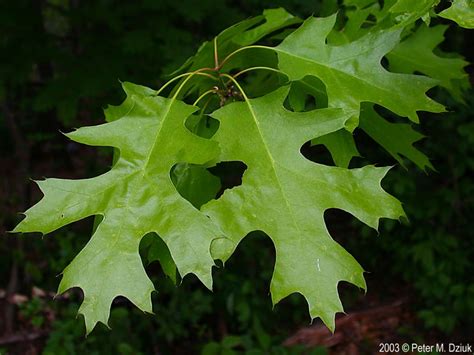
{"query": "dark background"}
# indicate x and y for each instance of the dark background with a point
(60, 64)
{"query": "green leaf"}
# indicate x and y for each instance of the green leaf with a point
(408, 11)
(136, 197)
(308, 86)
(396, 138)
(415, 54)
(359, 4)
(195, 183)
(358, 14)
(156, 250)
(274, 19)
(461, 12)
(285, 195)
(341, 145)
(159, 252)
(352, 72)
(113, 113)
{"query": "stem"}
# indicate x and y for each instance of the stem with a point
(257, 68)
(180, 87)
(216, 56)
(197, 72)
(240, 50)
(203, 95)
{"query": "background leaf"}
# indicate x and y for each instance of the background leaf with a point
(352, 73)
(461, 12)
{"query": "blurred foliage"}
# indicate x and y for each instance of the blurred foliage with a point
(71, 51)
(62, 59)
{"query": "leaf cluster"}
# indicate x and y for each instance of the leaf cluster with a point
(255, 94)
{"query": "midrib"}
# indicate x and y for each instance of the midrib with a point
(272, 163)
